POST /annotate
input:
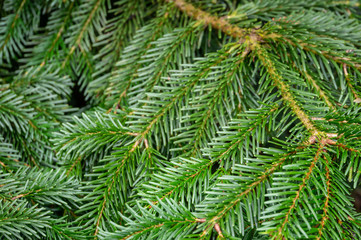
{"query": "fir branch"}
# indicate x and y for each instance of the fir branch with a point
(230, 120)
(217, 93)
(93, 132)
(130, 64)
(279, 231)
(110, 183)
(41, 186)
(58, 35)
(16, 17)
(9, 156)
(336, 56)
(146, 124)
(165, 50)
(357, 99)
(249, 122)
(318, 89)
(19, 221)
(189, 173)
(208, 19)
(117, 33)
(13, 27)
(158, 223)
(84, 29)
(215, 213)
(109, 178)
(285, 92)
(325, 216)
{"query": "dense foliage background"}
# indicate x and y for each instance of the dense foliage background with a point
(179, 119)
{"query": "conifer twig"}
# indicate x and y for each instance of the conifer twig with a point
(348, 81)
(298, 193)
(325, 216)
(215, 22)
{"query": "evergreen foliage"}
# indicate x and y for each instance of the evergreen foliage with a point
(179, 119)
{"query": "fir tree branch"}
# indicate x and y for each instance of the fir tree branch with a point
(26, 194)
(279, 231)
(81, 33)
(357, 99)
(111, 177)
(253, 42)
(328, 54)
(117, 33)
(255, 35)
(143, 231)
(157, 61)
(111, 183)
(12, 26)
(18, 219)
(189, 171)
(285, 90)
(317, 88)
(218, 214)
(183, 90)
(58, 35)
(325, 216)
(164, 217)
(217, 95)
(242, 135)
(177, 73)
(91, 133)
(157, 29)
(192, 170)
(215, 22)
